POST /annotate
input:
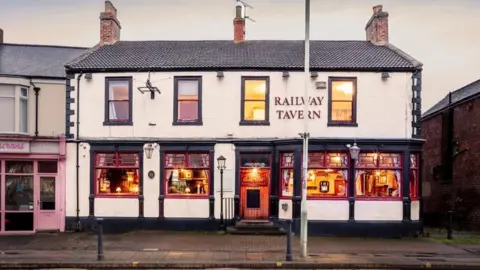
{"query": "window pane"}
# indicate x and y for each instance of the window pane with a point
(413, 183)
(23, 115)
(47, 193)
(19, 193)
(117, 181)
(187, 110)
(255, 89)
(378, 183)
(342, 111)
(327, 182)
(287, 160)
(255, 160)
(175, 160)
(7, 110)
(187, 181)
(389, 160)
(287, 182)
(187, 89)
(342, 91)
(254, 111)
(19, 167)
(7, 90)
(119, 90)
(199, 160)
(119, 110)
(49, 166)
(24, 92)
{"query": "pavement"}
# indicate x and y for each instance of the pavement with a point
(194, 250)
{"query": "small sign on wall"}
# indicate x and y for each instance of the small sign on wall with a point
(17, 147)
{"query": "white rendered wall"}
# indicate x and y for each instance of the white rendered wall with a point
(378, 210)
(228, 151)
(327, 209)
(415, 210)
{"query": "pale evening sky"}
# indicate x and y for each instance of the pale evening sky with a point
(443, 34)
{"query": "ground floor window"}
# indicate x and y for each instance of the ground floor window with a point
(414, 176)
(28, 189)
(117, 174)
(378, 175)
(187, 174)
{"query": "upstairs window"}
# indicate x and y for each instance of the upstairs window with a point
(118, 97)
(342, 102)
(187, 101)
(255, 97)
(14, 109)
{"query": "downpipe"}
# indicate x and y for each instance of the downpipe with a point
(78, 225)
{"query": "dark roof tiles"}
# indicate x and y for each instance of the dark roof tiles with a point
(254, 54)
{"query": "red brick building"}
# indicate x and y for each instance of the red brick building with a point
(451, 166)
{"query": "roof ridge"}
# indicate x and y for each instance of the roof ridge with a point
(43, 45)
(406, 56)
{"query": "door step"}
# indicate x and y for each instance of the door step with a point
(256, 227)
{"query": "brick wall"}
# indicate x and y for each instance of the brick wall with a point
(462, 194)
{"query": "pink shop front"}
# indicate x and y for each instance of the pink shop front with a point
(32, 176)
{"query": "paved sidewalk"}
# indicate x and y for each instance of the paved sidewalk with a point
(175, 250)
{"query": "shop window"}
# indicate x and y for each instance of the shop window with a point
(188, 99)
(342, 98)
(327, 174)
(378, 175)
(118, 101)
(187, 174)
(47, 166)
(255, 96)
(414, 174)
(117, 174)
(286, 174)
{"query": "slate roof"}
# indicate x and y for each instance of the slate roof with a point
(458, 96)
(252, 54)
(36, 60)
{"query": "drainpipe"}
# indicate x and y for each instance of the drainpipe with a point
(77, 135)
(37, 91)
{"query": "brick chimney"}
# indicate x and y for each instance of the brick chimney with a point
(109, 25)
(238, 25)
(1, 36)
(377, 27)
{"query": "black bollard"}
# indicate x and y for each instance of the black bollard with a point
(100, 255)
(288, 256)
(449, 224)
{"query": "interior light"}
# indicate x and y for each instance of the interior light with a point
(345, 87)
(261, 88)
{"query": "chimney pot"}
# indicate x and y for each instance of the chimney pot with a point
(238, 25)
(1, 36)
(109, 25)
(377, 27)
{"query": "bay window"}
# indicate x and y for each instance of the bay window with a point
(414, 174)
(378, 175)
(327, 174)
(118, 101)
(286, 174)
(117, 174)
(187, 174)
(14, 109)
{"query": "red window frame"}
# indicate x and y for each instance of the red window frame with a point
(376, 165)
(325, 164)
(414, 171)
(284, 165)
(116, 164)
(186, 165)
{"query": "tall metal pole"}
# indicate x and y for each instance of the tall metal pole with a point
(303, 206)
(222, 223)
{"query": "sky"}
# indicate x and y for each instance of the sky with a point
(443, 34)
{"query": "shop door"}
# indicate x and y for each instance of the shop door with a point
(255, 193)
(46, 204)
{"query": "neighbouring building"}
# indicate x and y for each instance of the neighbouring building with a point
(32, 141)
(452, 158)
(152, 117)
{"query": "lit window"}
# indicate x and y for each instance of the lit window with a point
(119, 103)
(378, 175)
(255, 95)
(327, 174)
(117, 174)
(342, 101)
(187, 174)
(14, 109)
(286, 174)
(414, 175)
(187, 99)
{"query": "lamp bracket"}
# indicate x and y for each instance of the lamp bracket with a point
(149, 88)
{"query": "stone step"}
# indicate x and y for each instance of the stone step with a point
(272, 231)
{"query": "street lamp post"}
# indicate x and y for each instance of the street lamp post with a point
(305, 136)
(221, 160)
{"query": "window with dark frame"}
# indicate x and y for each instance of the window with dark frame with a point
(378, 175)
(286, 173)
(117, 174)
(118, 107)
(414, 174)
(188, 100)
(342, 101)
(187, 174)
(255, 100)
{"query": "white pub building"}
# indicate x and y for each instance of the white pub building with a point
(152, 118)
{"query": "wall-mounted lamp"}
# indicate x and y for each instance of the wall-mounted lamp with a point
(354, 151)
(148, 149)
(88, 76)
(322, 85)
(385, 75)
(285, 74)
(314, 74)
(220, 74)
